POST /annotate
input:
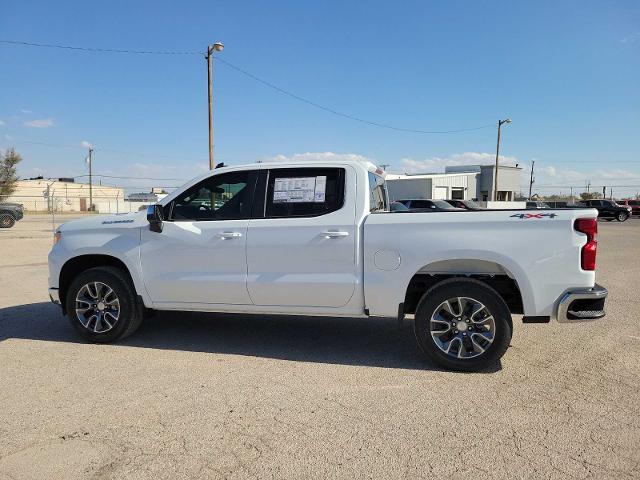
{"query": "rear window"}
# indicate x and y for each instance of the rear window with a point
(304, 192)
(378, 201)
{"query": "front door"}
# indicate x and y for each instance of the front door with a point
(199, 257)
(303, 251)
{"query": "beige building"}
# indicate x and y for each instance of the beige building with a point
(65, 195)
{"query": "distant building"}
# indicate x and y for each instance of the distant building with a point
(468, 182)
(508, 180)
(62, 195)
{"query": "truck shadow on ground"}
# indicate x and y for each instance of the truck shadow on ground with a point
(374, 342)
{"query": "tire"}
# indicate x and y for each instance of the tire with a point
(622, 216)
(7, 220)
(115, 312)
(479, 337)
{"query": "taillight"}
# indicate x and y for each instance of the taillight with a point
(588, 226)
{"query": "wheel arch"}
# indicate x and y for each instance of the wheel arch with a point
(76, 265)
(494, 274)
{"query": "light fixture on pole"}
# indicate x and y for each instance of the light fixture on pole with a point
(216, 47)
(495, 173)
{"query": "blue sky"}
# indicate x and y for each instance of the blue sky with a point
(567, 73)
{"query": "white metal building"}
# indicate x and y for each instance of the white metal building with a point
(468, 182)
(432, 185)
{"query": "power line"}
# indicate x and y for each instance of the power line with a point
(130, 178)
(99, 149)
(101, 50)
(341, 114)
(257, 79)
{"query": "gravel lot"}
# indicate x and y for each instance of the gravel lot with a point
(224, 396)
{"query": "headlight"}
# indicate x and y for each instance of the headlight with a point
(57, 236)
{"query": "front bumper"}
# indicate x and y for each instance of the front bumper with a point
(581, 305)
(54, 295)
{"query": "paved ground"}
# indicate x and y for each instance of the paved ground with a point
(221, 396)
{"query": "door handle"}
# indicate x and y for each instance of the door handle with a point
(334, 234)
(225, 235)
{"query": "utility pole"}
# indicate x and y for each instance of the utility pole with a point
(533, 162)
(90, 160)
(604, 192)
(218, 47)
(495, 173)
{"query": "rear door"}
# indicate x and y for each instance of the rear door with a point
(302, 252)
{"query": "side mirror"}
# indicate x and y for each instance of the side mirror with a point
(155, 217)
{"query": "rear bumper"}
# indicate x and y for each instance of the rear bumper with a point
(581, 305)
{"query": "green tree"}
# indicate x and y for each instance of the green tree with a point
(590, 195)
(8, 175)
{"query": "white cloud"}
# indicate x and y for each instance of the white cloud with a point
(437, 164)
(26, 112)
(85, 144)
(317, 156)
(40, 123)
(2, 123)
(632, 38)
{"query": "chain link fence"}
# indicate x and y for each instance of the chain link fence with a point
(42, 204)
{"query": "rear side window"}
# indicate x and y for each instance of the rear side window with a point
(304, 192)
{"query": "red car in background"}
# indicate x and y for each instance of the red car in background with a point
(634, 204)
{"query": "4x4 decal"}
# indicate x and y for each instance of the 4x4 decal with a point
(524, 216)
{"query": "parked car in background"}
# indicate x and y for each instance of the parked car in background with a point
(398, 207)
(317, 238)
(634, 204)
(10, 213)
(464, 204)
(537, 205)
(608, 209)
(421, 204)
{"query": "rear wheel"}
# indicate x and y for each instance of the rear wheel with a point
(463, 324)
(7, 221)
(102, 305)
(622, 216)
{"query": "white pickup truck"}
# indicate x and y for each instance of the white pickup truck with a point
(319, 239)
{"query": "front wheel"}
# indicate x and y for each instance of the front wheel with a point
(7, 221)
(463, 324)
(622, 216)
(102, 305)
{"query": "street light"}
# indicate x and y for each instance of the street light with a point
(217, 47)
(495, 174)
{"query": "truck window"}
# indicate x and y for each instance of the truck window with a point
(220, 197)
(304, 192)
(378, 200)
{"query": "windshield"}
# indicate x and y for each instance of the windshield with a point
(444, 205)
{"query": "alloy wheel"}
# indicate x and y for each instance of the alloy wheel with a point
(97, 307)
(462, 327)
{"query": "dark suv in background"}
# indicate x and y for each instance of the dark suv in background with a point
(608, 209)
(10, 213)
